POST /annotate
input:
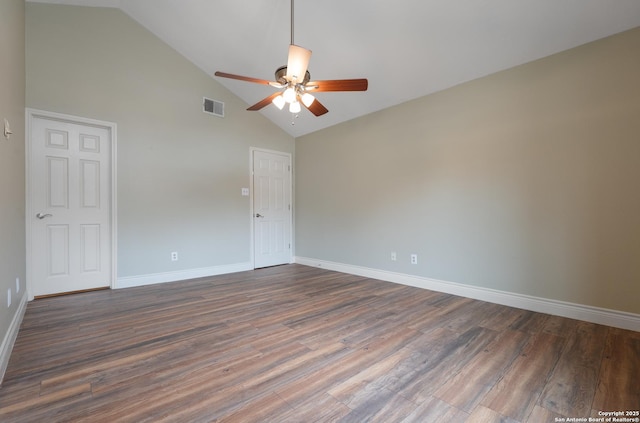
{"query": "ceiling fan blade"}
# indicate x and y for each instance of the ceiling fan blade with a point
(338, 85)
(264, 102)
(316, 108)
(242, 78)
(297, 63)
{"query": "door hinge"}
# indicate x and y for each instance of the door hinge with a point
(289, 246)
(289, 168)
(289, 207)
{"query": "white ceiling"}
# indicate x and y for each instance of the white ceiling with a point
(406, 48)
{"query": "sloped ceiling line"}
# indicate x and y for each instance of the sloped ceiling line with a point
(407, 48)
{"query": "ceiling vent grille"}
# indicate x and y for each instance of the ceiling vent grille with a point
(213, 107)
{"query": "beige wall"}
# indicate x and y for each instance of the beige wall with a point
(180, 171)
(12, 95)
(525, 181)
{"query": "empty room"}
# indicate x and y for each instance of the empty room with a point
(296, 211)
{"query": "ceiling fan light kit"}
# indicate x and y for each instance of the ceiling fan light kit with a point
(294, 107)
(297, 63)
(290, 94)
(279, 102)
(307, 99)
(295, 78)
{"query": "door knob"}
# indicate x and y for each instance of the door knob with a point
(259, 215)
(42, 216)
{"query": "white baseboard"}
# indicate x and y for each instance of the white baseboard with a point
(619, 319)
(11, 335)
(180, 275)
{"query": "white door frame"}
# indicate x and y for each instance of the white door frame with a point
(112, 128)
(251, 212)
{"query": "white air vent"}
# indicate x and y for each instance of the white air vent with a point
(213, 107)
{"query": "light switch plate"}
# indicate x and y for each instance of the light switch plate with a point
(7, 129)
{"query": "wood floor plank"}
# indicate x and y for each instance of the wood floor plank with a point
(435, 410)
(530, 322)
(321, 380)
(41, 401)
(445, 310)
(266, 409)
(379, 405)
(316, 408)
(302, 344)
(516, 394)
(560, 326)
(541, 414)
(571, 388)
(500, 318)
(469, 386)
(485, 415)
(419, 378)
(347, 390)
(619, 378)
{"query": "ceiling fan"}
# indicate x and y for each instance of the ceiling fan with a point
(295, 81)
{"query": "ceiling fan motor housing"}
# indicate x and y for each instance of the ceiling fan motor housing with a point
(281, 74)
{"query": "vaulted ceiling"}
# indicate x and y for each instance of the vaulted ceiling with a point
(406, 48)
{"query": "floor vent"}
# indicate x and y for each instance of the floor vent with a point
(213, 107)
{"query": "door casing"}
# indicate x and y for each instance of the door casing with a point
(29, 211)
(251, 207)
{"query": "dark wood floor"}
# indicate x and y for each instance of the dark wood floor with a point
(301, 344)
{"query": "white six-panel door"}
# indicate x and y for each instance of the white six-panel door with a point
(70, 206)
(271, 208)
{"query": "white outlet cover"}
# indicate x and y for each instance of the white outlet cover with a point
(245, 192)
(9, 297)
(17, 285)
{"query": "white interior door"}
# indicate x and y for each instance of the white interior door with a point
(271, 208)
(70, 206)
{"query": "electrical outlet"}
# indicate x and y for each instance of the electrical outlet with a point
(17, 285)
(174, 256)
(394, 256)
(9, 297)
(414, 259)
